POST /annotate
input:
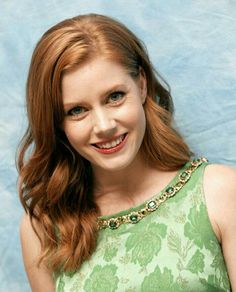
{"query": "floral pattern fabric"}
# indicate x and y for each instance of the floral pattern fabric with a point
(172, 249)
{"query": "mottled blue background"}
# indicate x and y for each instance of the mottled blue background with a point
(192, 44)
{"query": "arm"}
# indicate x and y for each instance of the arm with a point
(40, 278)
(220, 192)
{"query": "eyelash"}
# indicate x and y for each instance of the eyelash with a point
(120, 95)
(70, 112)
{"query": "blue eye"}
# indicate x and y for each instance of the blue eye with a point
(116, 96)
(76, 111)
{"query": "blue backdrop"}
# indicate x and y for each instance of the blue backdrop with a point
(191, 43)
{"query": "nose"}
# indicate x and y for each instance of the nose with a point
(103, 124)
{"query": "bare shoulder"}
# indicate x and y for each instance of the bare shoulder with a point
(220, 174)
(31, 249)
(26, 228)
(220, 193)
(28, 235)
(220, 183)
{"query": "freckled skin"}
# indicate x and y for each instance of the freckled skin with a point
(100, 117)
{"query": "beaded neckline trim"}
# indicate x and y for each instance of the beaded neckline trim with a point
(154, 203)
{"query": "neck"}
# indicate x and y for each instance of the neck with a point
(122, 188)
(106, 180)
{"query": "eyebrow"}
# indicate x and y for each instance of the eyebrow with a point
(106, 93)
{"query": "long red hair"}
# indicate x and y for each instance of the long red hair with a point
(56, 183)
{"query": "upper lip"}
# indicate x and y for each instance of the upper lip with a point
(108, 140)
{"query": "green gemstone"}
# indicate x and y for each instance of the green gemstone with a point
(170, 190)
(133, 218)
(184, 175)
(152, 205)
(113, 224)
(197, 162)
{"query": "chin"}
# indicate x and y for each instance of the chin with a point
(115, 165)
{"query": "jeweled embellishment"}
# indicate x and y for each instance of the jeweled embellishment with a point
(153, 204)
(195, 162)
(133, 218)
(113, 224)
(178, 185)
(184, 176)
(170, 190)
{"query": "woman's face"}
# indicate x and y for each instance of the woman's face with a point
(104, 117)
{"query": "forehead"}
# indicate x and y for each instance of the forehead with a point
(93, 78)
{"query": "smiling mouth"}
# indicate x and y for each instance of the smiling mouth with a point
(112, 144)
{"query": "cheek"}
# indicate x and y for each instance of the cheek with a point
(136, 117)
(132, 112)
(76, 133)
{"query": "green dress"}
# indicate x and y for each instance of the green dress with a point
(166, 244)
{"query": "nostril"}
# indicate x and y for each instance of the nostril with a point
(105, 131)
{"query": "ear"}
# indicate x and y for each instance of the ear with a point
(142, 84)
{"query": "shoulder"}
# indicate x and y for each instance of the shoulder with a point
(29, 232)
(220, 175)
(31, 250)
(220, 193)
(219, 185)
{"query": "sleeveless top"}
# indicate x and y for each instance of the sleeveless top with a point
(170, 246)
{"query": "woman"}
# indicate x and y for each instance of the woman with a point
(113, 199)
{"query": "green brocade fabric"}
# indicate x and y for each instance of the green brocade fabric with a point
(172, 249)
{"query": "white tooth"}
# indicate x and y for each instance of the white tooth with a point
(113, 143)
